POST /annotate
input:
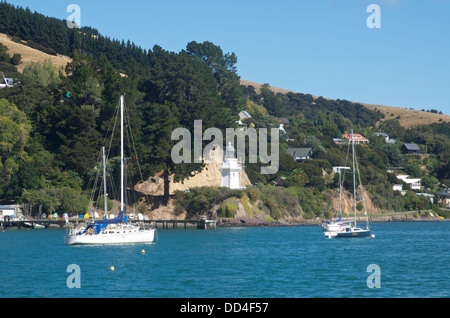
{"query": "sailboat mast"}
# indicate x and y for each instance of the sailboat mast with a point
(121, 154)
(104, 183)
(354, 175)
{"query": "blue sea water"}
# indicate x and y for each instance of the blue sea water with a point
(282, 262)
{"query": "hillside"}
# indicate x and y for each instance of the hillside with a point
(406, 117)
(56, 126)
(32, 55)
(210, 176)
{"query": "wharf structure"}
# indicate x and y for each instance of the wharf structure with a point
(202, 224)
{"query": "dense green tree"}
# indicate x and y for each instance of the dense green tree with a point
(42, 73)
(14, 132)
(394, 154)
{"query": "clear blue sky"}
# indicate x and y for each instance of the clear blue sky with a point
(321, 47)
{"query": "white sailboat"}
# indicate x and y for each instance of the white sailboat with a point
(344, 229)
(333, 226)
(117, 230)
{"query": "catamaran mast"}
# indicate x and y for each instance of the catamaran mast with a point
(121, 154)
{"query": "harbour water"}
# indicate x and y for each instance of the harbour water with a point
(413, 260)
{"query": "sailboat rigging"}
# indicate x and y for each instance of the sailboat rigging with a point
(337, 229)
(116, 230)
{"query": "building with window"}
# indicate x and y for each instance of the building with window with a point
(414, 183)
(411, 149)
(355, 138)
(300, 154)
(444, 197)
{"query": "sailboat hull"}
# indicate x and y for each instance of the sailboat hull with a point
(140, 236)
(347, 234)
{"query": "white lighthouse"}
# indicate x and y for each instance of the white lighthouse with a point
(230, 168)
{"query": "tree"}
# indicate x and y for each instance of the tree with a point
(297, 178)
(42, 73)
(16, 59)
(14, 132)
(161, 120)
(223, 67)
(394, 154)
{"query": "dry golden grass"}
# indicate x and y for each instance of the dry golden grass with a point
(409, 117)
(406, 117)
(32, 55)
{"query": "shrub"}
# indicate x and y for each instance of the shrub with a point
(227, 209)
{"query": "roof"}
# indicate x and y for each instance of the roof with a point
(277, 182)
(299, 152)
(411, 147)
(4, 207)
(445, 193)
(284, 121)
(246, 113)
(354, 137)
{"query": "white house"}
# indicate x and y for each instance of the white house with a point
(414, 182)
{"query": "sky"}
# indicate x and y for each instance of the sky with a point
(321, 47)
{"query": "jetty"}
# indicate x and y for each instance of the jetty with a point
(202, 224)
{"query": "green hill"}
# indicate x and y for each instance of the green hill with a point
(54, 123)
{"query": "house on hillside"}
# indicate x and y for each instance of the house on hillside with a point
(414, 183)
(444, 197)
(300, 154)
(279, 182)
(355, 138)
(384, 135)
(7, 83)
(411, 149)
(426, 195)
(338, 141)
(284, 121)
(244, 115)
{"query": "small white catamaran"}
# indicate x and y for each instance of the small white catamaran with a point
(338, 228)
(117, 230)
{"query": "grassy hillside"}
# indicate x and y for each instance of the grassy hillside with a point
(406, 117)
(32, 55)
